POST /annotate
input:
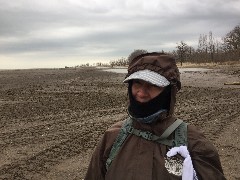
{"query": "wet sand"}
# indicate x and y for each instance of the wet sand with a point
(51, 119)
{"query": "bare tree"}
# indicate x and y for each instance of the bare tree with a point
(120, 62)
(182, 49)
(202, 51)
(136, 53)
(232, 42)
(211, 46)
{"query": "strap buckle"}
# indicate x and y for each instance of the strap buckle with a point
(130, 130)
(146, 135)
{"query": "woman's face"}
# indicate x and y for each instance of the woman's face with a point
(143, 91)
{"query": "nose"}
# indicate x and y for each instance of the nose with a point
(142, 91)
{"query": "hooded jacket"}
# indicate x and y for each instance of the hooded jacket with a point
(140, 159)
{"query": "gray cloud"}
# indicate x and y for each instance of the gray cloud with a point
(108, 28)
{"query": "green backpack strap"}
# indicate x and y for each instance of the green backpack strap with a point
(159, 139)
(181, 135)
(122, 135)
(178, 126)
(170, 129)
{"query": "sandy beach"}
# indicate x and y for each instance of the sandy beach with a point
(51, 119)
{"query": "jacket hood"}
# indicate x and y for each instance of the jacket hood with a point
(163, 64)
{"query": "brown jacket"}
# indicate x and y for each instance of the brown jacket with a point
(140, 159)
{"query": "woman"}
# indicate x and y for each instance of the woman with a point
(138, 148)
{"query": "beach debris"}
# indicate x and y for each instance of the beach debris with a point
(232, 83)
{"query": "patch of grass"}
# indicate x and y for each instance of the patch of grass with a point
(210, 65)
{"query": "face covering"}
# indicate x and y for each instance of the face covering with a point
(151, 108)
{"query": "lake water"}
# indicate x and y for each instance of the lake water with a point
(124, 70)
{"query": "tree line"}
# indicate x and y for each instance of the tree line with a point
(209, 50)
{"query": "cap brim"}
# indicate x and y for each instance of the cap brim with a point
(149, 76)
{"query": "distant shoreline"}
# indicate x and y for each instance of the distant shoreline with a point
(191, 66)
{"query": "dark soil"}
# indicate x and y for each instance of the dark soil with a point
(51, 119)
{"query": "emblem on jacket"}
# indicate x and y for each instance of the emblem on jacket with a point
(174, 165)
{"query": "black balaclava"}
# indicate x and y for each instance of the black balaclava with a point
(141, 110)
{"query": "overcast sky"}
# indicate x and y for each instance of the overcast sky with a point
(58, 33)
